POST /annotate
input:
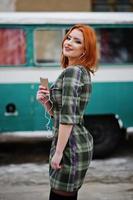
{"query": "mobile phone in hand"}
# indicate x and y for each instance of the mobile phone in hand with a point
(44, 82)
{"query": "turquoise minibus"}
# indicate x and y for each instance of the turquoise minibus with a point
(30, 47)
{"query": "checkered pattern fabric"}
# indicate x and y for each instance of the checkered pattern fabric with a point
(70, 94)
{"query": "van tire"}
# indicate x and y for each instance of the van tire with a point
(106, 133)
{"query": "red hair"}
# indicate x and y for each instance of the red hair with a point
(89, 59)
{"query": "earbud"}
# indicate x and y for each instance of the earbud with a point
(82, 55)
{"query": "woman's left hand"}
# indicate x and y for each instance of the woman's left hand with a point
(55, 161)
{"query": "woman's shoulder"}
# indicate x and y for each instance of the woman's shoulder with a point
(72, 72)
(80, 69)
(72, 69)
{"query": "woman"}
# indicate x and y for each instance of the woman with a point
(72, 144)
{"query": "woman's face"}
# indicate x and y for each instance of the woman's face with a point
(73, 46)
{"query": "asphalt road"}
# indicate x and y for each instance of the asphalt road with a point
(24, 174)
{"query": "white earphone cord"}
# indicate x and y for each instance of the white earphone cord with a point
(48, 117)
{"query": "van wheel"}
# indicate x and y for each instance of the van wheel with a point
(106, 133)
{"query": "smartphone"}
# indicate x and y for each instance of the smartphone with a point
(44, 82)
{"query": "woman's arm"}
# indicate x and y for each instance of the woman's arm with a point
(63, 136)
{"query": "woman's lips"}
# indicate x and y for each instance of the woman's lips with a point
(68, 49)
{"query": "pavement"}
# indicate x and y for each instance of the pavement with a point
(106, 179)
(92, 191)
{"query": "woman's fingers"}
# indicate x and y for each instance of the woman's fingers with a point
(41, 99)
(55, 165)
(55, 162)
(43, 90)
(42, 94)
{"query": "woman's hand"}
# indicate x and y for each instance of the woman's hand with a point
(55, 161)
(42, 94)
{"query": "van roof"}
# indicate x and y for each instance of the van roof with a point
(66, 17)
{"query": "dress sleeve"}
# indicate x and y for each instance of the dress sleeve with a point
(71, 89)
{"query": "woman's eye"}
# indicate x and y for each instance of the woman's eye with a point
(68, 38)
(78, 41)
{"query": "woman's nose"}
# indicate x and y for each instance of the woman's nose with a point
(69, 42)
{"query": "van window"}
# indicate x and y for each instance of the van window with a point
(116, 45)
(12, 47)
(48, 46)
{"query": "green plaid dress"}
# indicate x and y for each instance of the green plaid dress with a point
(70, 94)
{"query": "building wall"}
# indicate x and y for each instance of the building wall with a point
(7, 5)
(53, 5)
(66, 5)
